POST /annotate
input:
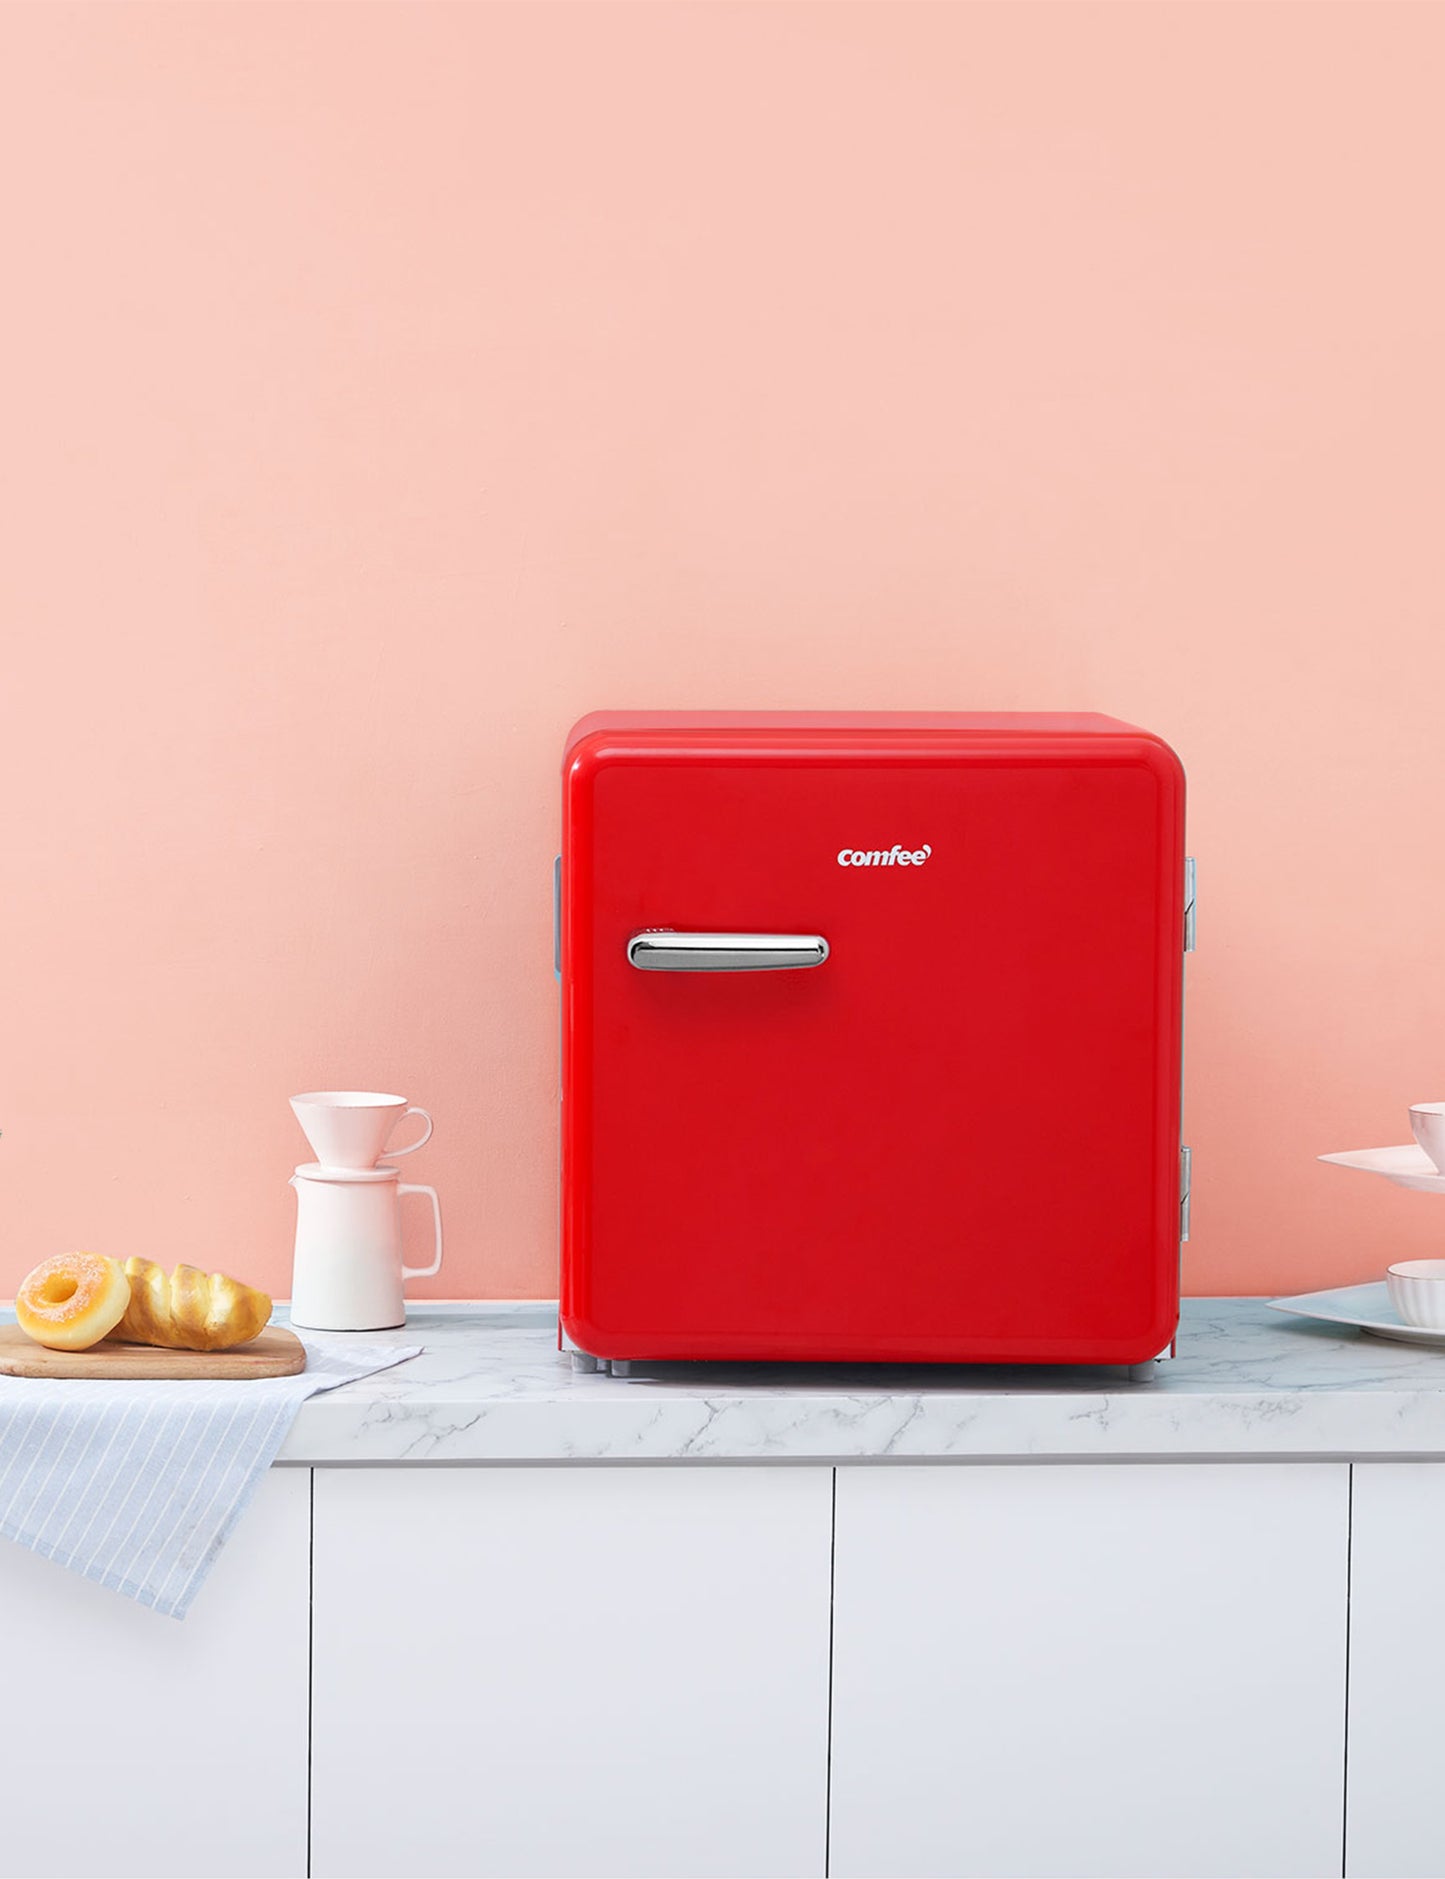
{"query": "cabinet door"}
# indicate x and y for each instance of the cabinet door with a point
(1113, 1670)
(571, 1671)
(1397, 1673)
(132, 1744)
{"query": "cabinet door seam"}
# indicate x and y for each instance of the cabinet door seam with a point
(828, 1772)
(310, 1645)
(1349, 1588)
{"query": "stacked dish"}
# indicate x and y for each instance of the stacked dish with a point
(1415, 1288)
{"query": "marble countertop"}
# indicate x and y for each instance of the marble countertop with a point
(491, 1386)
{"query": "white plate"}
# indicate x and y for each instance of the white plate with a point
(1366, 1307)
(1407, 1166)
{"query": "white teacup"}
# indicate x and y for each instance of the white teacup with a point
(1417, 1291)
(1427, 1123)
(350, 1128)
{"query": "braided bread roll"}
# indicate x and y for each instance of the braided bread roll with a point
(187, 1310)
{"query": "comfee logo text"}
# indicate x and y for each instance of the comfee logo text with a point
(894, 857)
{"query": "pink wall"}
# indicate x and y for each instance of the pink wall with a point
(389, 384)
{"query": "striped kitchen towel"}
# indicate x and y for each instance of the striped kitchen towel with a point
(138, 1485)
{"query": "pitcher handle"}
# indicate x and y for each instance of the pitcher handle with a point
(424, 1272)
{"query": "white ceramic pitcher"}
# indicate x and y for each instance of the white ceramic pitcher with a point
(349, 1272)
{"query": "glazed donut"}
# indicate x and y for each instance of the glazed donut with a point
(72, 1301)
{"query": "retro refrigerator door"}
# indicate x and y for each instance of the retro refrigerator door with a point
(873, 1056)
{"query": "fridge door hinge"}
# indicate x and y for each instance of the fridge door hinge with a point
(1189, 877)
(1186, 1170)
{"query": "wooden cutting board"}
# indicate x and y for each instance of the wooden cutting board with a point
(275, 1353)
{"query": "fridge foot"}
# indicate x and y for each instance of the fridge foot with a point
(1143, 1373)
(583, 1365)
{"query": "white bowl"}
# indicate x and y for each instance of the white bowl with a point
(1427, 1123)
(1417, 1291)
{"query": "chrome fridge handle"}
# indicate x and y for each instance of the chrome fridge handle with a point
(662, 950)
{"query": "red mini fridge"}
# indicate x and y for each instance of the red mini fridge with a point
(871, 1037)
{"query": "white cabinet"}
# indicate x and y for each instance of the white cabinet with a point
(1397, 1673)
(1119, 1669)
(607, 1670)
(132, 1744)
